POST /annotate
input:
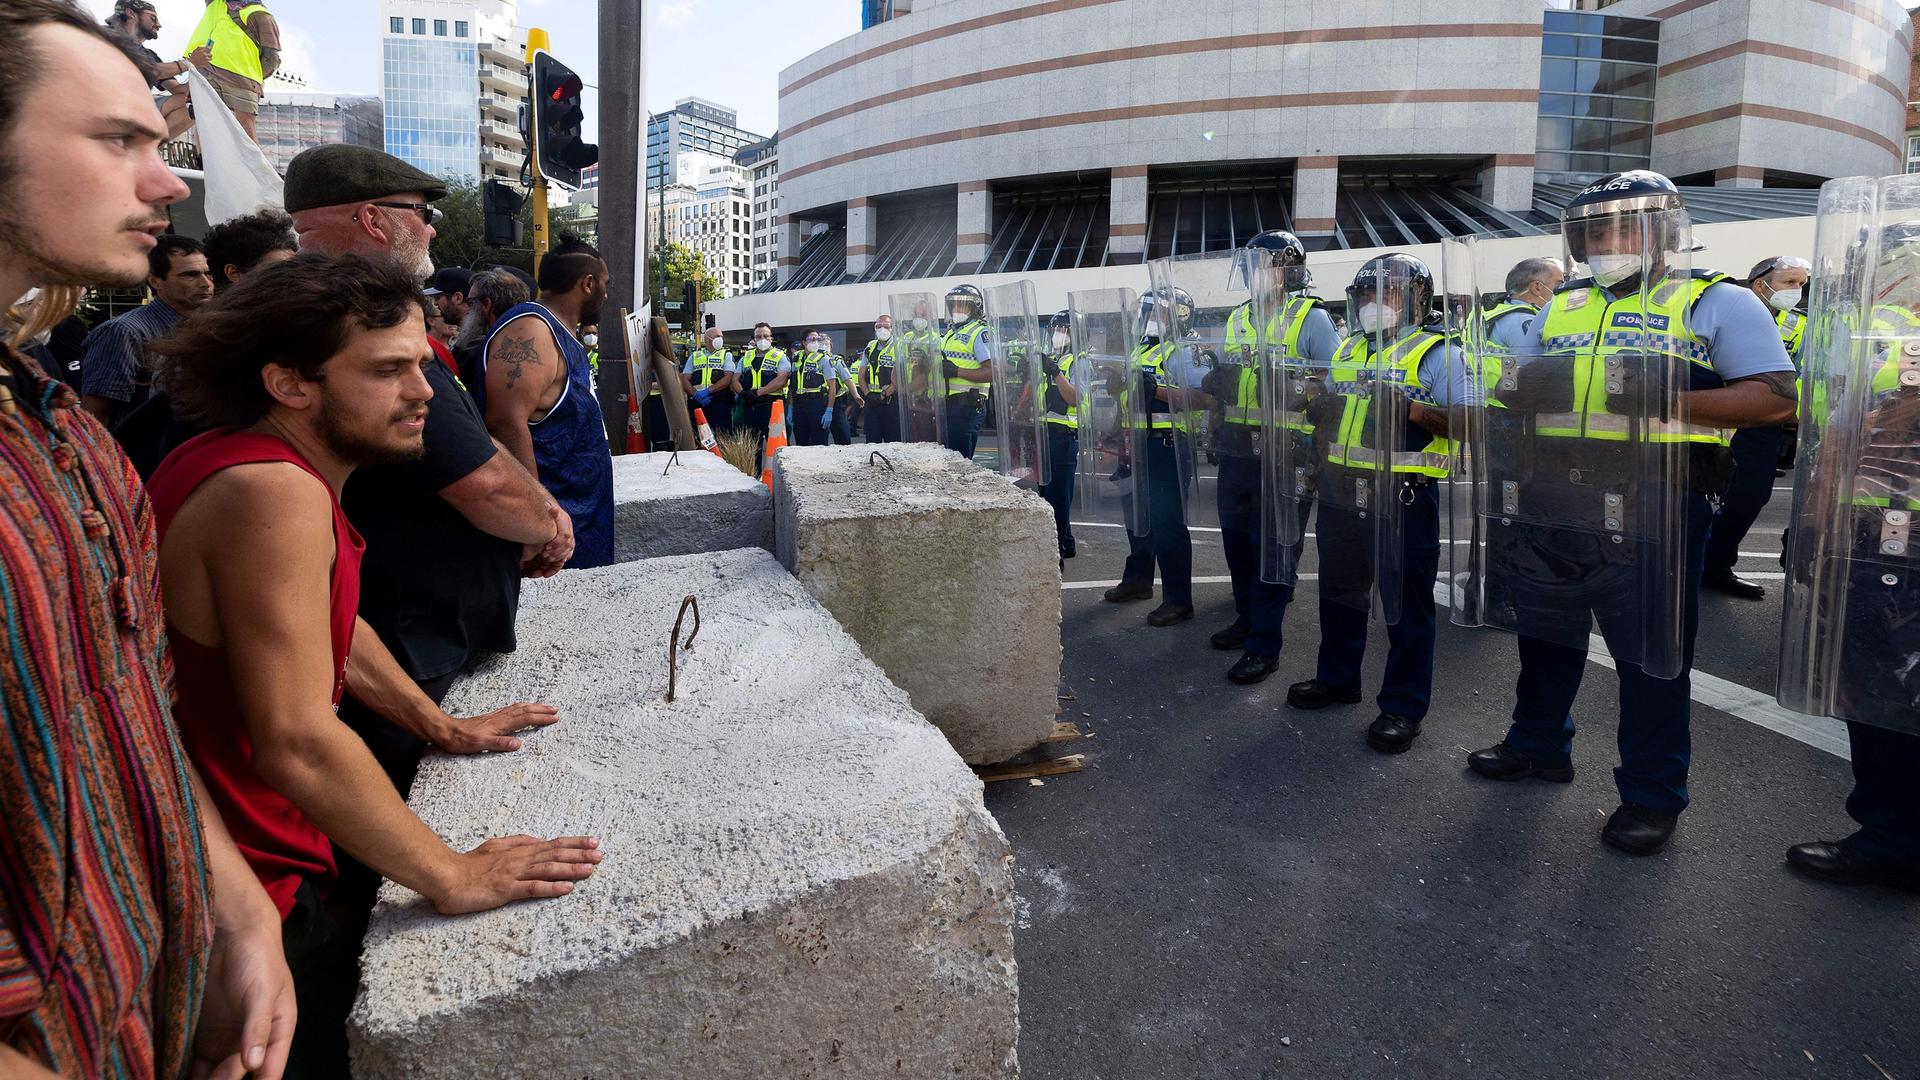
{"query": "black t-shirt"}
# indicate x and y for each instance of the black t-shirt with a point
(437, 590)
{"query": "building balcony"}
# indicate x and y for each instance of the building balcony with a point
(502, 133)
(501, 158)
(501, 53)
(495, 107)
(509, 81)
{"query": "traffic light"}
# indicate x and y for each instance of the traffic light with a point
(559, 150)
(500, 213)
(690, 297)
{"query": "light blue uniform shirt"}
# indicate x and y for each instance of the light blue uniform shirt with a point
(1318, 339)
(1509, 331)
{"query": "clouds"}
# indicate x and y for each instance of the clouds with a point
(677, 13)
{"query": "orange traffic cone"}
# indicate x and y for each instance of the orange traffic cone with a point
(776, 441)
(707, 441)
(636, 439)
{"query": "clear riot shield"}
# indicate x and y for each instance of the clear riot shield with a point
(1215, 388)
(920, 389)
(1114, 412)
(1581, 464)
(1850, 638)
(1019, 386)
(1360, 479)
(1287, 377)
(1472, 281)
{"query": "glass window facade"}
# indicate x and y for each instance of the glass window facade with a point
(432, 118)
(1597, 75)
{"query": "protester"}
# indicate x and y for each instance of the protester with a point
(133, 939)
(260, 571)
(438, 328)
(448, 290)
(140, 23)
(489, 295)
(240, 244)
(536, 388)
(115, 374)
(237, 47)
(42, 325)
(475, 509)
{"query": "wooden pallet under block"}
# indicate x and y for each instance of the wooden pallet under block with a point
(1063, 731)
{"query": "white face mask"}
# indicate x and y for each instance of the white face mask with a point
(716, 344)
(763, 343)
(813, 346)
(919, 324)
(1784, 299)
(1153, 328)
(590, 340)
(1373, 317)
(1060, 339)
(1613, 269)
(883, 333)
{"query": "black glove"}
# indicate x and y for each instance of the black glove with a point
(950, 369)
(1051, 366)
(1220, 383)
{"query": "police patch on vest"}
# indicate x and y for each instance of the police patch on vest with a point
(1575, 299)
(1632, 319)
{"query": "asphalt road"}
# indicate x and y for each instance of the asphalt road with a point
(1233, 888)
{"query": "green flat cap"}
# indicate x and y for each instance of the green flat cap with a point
(331, 175)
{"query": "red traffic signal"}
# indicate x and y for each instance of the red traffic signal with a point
(559, 151)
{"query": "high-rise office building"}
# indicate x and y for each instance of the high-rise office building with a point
(708, 213)
(762, 162)
(693, 126)
(293, 120)
(452, 86)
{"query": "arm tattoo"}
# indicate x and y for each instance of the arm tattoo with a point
(516, 353)
(1780, 382)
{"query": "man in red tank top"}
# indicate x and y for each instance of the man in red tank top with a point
(259, 572)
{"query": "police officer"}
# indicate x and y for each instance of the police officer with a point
(710, 379)
(1300, 338)
(1164, 452)
(847, 393)
(763, 376)
(1586, 440)
(1061, 412)
(812, 392)
(1779, 282)
(1383, 455)
(874, 373)
(967, 364)
(1530, 284)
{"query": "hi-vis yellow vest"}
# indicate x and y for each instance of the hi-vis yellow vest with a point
(1283, 331)
(1792, 325)
(957, 348)
(817, 364)
(1584, 326)
(1153, 359)
(708, 367)
(233, 50)
(1354, 366)
(761, 368)
(879, 356)
(1071, 417)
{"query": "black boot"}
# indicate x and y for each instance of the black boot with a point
(1169, 614)
(1737, 587)
(1126, 591)
(1314, 694)
(1503, 762)
(1392, 734)
(1250, 669)
(1231, 638)
(1637, 830)
(1843, 864)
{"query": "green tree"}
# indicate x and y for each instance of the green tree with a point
(676, 264)
(459, 238)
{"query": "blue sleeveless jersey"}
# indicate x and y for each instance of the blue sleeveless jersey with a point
(570, 445)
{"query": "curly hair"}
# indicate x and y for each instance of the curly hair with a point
(296, 314)
(245, 240)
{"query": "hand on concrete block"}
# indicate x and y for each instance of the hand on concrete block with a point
(492, 732)
(510, 868)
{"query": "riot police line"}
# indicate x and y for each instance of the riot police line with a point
(1569, 438)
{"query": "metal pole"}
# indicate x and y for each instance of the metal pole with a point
(623, 193)
(536, 39)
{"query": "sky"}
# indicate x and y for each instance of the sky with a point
(695, 52)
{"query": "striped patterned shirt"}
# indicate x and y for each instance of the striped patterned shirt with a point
(104, 907)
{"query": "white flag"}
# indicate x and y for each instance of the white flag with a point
(240, 180)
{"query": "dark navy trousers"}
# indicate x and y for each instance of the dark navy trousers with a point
(1346, 542)
(1261, 605)
(1166, 540)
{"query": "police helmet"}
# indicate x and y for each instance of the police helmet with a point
(1179, 303)
(1394, 274)
(1637, 196)
(1061, 321)
(966, 294)
(1288, 252)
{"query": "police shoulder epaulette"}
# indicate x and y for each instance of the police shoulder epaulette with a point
(1574, 299)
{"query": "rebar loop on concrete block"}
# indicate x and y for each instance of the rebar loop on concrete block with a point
(672, 460)
(674, 644)
(883, 460)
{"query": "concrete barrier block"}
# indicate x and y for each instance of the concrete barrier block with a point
(945, 573)
(801, 879)
(700, 504)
